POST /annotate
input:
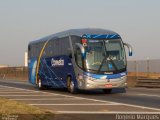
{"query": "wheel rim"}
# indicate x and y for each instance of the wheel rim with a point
(39, 84)
(71, 86)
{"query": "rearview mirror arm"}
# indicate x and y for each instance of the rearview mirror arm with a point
(129, 48)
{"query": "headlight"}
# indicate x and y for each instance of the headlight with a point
(123, 78)
(86, 77)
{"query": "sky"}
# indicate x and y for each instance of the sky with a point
(22, 21)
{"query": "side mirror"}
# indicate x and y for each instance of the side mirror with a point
(81, 48)
(129, 48)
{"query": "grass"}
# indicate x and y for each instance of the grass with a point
(10, 108)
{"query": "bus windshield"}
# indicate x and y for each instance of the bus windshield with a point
(105, 55)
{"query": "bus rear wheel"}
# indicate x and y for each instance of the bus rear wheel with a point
(107, 91)
(70, 85)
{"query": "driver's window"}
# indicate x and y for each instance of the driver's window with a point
(78, 57)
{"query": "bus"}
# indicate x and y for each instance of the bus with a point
(79, 59)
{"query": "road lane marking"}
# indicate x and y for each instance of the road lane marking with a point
(149, 95)
(137, 106)
(106, 112)
(22, 82)
(85, 104)
(61, 95)
(14, 92)
(3, 91)
(141, 107)
(2, 88)
(23, 95)
(46, 99)
(9, 90)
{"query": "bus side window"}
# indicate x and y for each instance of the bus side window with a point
(37, 50)
(78, 57)
(32, 51)
(29, 47)
(65, 46)
(48, 50)
(56, 47)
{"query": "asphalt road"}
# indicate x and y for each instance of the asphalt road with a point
(135, 100)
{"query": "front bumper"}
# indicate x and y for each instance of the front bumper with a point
(104, 83)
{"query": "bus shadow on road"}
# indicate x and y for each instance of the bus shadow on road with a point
(100, 92)
(87, 92)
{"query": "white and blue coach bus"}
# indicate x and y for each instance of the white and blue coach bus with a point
(79, 59)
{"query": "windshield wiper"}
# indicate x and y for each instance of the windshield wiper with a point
(106, 56)
(101, 64)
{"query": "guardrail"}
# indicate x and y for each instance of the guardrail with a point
(20, 73)
(148, 82)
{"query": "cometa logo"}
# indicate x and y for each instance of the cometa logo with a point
(57, 62)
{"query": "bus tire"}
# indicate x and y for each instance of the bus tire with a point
(107, 91)
(71, 85)
(40, 85)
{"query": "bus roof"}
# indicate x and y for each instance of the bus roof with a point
(76, 32)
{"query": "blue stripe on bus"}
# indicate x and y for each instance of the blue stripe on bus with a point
(108, 76)
(112, 36)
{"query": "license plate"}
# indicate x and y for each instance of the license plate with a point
(108, 85)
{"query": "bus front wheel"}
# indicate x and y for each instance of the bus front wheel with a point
(71, 85)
